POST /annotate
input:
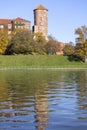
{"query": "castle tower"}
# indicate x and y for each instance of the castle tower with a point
(41, 20)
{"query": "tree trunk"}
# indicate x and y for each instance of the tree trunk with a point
(85, 59)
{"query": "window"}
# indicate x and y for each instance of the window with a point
(15, 26)
(19, 26)
(1, 26)
(22, 27)
(9, 26)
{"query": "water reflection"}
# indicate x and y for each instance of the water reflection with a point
(43, 100)
(41, 109)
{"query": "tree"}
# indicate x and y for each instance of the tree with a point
(68, 50)
(40, 42)
(52, 46)
(4, 40)
(78, 52)
(81, 51)
(82, 34)
(85, 51)
(81, 43)
(21, 43)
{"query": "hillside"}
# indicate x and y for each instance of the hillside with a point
(38, 61)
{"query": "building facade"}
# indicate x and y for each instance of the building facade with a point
(41, 20)
(13, 24)
(6, 24)
(20, 23)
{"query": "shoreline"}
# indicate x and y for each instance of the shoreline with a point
(2, 69)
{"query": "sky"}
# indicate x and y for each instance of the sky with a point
(64, 16)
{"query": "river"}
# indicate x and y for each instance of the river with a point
(43, 100)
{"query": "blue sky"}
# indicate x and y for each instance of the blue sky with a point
(64, 16)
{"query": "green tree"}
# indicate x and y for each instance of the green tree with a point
(40, 42)
(21, 43)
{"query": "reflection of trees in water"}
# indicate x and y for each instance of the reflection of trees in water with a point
(80, 80)
(4, 96)
(82, 94)
(20, 88)
(16, 86)
(3, 89)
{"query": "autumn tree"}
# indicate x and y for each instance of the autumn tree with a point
(81, 51)
(4, 40)
(81, 43)
(82, 34)
(68, 50)
(85, 51)
(52, 46)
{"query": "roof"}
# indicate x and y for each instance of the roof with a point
(20, 19)
(40, 7)
(4, 21)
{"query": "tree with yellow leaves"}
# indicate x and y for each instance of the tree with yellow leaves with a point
(81, 43)
(3, 41)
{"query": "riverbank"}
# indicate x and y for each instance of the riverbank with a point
(33, 62)
(1, 69)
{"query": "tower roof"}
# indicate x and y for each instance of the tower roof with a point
(40, 7)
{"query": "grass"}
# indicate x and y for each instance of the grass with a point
(38, 61)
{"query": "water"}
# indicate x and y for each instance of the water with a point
(43, 100)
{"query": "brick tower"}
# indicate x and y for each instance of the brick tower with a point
(41, 20)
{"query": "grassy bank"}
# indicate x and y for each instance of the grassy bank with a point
(38, 61)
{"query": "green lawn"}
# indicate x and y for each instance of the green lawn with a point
(38, 61)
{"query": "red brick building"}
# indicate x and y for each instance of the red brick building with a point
(12, 24)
